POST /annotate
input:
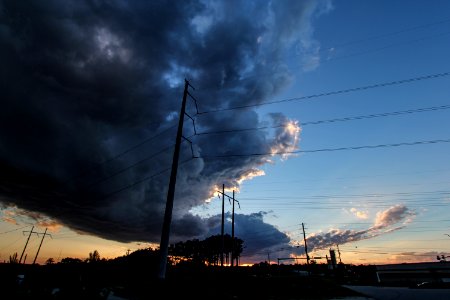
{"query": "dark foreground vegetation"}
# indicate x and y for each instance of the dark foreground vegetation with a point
(134, 277)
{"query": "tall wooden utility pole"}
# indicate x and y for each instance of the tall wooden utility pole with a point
(20, 260)
(306, 247)
(164, 245)
(232, 233)
(39, 249)
(222, 227)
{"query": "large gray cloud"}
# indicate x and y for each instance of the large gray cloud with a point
(83, 81)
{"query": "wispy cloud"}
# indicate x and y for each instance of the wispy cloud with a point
(387, 221)
(15, 215)
(9, 216)
(392, 216)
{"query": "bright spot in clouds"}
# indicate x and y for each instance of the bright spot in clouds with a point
(359, 214)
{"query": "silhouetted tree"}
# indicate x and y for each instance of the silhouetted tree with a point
(238, 248)
(50, 261)
(70, 260)
(207, 251)
(93, 257)
(13, 259)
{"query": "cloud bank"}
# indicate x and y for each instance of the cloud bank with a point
(87, 84)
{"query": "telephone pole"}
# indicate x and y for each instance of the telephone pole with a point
(222, 246)
(164, 244)
(39, 249)
(232, 233)
(339, 252)
(223, 225)
(20, 260)
(306, 247)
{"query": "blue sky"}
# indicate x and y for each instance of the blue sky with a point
(382, 205)
(361, 44)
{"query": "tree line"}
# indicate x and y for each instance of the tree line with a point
(197, 252)
(207, 251)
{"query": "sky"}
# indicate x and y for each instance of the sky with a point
(330, 114)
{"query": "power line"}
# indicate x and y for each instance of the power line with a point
(138, 145)
(130, 166)
(326, 204)
(376, 195)
(350, 248)
(353, 177)
(344, 119)
(329, 187)
(290, 208)
(379, 36)
(12, 243)
(330, 149)
(391, 252)
(345, 247)
(344, 91)
(107, 195)
(386, 47)
(349, 43)
(8, 231)
(143, 180)
(120, 154)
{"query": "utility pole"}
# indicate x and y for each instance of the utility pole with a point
(232, 233)
(306, 247)
(339, 252)
(233, 244)
(164, 245)
(20, 260)
(223, 224)
(39, 249)
(268, 257)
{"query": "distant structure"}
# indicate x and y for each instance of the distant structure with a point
(332, 261)
(414, 272)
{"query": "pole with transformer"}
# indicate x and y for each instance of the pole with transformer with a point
(230, 198)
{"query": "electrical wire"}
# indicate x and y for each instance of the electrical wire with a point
(392, 33)
(385, 47)
(130, 166)
(337, 92)
(4, 232)
(120, 154)
(207, 156)
(343, 119)
(143, 179)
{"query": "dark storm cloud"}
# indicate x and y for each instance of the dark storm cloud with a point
(83, 81)
(257, 235)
